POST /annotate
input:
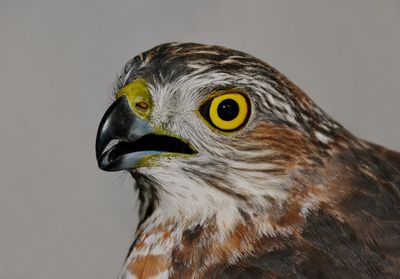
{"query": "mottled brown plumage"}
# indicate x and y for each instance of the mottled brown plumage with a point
(292, 194)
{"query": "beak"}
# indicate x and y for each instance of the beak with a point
(124, 140)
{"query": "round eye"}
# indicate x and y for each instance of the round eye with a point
(228, 111)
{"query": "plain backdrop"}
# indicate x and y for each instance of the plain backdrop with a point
(60, 216)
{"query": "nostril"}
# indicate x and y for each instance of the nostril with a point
(142, 105)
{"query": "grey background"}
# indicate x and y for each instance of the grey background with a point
(61, 217)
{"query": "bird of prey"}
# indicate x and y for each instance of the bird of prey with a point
(241, 175)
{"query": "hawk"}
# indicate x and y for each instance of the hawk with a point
(241, 175)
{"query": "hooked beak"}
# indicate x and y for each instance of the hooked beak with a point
(125, 140)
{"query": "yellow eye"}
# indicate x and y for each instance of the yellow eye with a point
(227, 112)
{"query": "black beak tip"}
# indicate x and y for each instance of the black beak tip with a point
(99, 148)
(103, 163)
(112, 127)
(102, 166)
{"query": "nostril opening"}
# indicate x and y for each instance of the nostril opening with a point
(142, 105)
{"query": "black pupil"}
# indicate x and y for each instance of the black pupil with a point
(228, 109)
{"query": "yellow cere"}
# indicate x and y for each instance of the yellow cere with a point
(238, 120)
(138, 96)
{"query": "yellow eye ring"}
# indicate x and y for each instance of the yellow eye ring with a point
(228, 111)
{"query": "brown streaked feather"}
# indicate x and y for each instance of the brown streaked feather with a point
(354, 233)
(355, 236)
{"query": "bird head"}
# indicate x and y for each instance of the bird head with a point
(209, 133)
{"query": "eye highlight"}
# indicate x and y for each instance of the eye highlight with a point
(227, 112)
